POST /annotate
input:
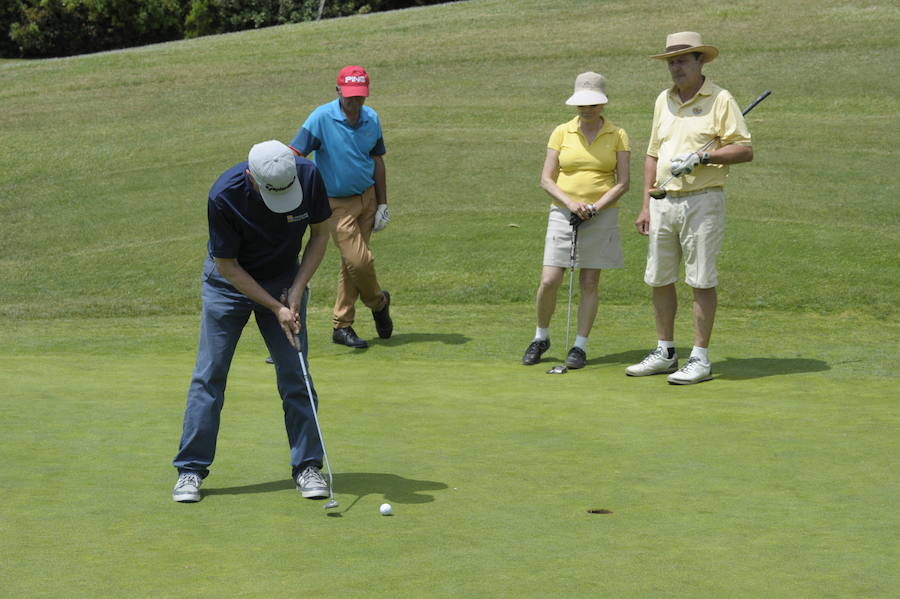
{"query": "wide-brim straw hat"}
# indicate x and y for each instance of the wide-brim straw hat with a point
(687, 42)
(590, 89)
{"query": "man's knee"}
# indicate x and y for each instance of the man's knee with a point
(359, 262)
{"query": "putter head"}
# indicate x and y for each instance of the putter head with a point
(331, 504)
(657, 194)
(561, 369)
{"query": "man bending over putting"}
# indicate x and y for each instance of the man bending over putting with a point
(258, 213)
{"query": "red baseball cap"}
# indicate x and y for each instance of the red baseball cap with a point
(353, 81)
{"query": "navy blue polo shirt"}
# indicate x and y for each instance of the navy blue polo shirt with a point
(266, 244)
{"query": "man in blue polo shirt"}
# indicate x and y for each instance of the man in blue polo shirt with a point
(258, 213)
(345, 139)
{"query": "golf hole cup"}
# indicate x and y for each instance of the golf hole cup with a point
(386, 509)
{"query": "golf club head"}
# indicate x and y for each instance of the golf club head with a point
(331, 504)
(657, 194)
(560, 369)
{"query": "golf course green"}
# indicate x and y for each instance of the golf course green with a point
(777, 479)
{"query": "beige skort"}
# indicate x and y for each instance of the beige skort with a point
(599, 245)
(689, 226)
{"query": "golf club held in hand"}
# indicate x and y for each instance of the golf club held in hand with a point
(685, 163)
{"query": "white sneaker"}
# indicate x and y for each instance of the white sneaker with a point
(655, 362)
(695, 371)
(187, 489)
(311, 484)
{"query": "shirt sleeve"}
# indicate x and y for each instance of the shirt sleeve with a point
(622, 142)
(224, 240)
(556, 138)
(653, 144)
(378, 149)
(305, 141)
(731, 124)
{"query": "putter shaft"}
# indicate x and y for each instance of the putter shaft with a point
(562, 368)
(333, 503)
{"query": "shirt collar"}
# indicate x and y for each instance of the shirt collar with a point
(338, 114)
(608, 127)
(705, 90)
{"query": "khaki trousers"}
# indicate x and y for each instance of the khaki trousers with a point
(354, 218)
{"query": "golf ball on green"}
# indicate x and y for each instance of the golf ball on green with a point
(386, 509)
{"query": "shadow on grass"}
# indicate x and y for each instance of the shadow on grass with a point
(731, 368)
(445, 338)
(394, 488)
(753, 368)
(626, 358)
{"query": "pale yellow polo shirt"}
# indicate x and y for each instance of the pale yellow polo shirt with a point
(587, 172)
(681, 128)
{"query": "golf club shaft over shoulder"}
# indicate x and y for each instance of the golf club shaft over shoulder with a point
(657, 192)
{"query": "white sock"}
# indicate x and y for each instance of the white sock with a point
(668, 347)
(702, 353)
(581, 342)
(541, 334)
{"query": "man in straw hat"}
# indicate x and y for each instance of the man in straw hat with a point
(689, 222)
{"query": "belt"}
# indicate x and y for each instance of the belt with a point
(693, 192)
(351, 197)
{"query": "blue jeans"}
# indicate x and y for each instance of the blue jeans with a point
(224, 314)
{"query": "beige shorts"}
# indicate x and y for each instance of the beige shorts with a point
(598, 247)
(689, 227)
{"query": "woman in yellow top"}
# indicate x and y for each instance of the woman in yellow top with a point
(585, 173)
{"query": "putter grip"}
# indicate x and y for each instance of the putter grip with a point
(753, 104)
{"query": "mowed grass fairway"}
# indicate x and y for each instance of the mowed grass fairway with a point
(777, 479)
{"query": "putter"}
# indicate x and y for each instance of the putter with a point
(562, 368)
(333, 503)
(659, 192)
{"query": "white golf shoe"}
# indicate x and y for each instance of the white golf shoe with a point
(311, 484)
(695, 371)
(655, 362)
(187, 489)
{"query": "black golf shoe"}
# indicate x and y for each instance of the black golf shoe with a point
(576, 358)
(535, 351)
(383, 323)
(347, 336)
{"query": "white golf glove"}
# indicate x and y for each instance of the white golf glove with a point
(382, 218)
(684, 164)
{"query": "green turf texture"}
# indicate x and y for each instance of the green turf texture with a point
(772, 481)
(777, 479)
